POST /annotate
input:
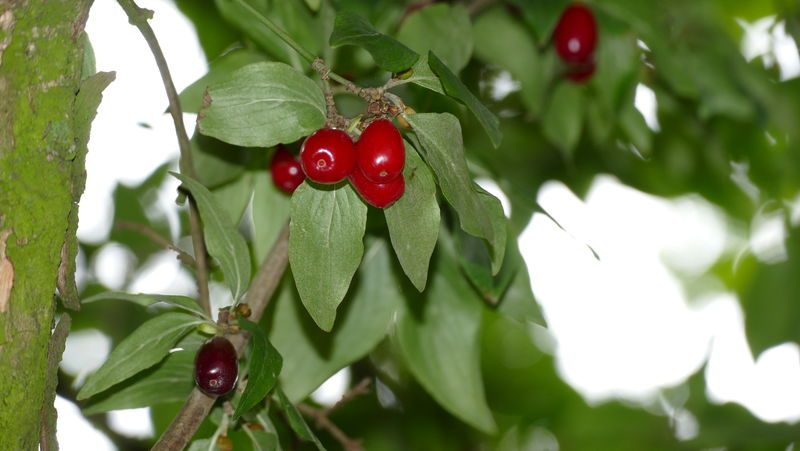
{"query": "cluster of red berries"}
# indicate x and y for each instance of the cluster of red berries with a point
(374, 165)
(575, 38)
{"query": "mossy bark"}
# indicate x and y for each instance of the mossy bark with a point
(41, 57)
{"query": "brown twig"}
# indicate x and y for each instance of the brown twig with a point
(322, 416)
(197, 406)
(138, 17)
(156, 238)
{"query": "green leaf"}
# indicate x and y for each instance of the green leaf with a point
(439, 339)
(563, 119)
(270, 212)
(635, 127)
(313, 5)
(413, 220)
(423, 75)
(223, 240)
(262, 440)
(146, 300)
(192, 96)
(205, 444)
(140, 350)
(265, 366)
(444, 29)
(296, 421)
(479, 212)
(542, 16)
(366, 316)
(457, 90)
(261, 105)
(325, 246)
(234, 197)
(168, 381)
(501, 40)
(216, 162)
(388, 53)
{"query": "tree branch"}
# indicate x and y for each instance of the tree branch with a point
(138, 17)
(197, 406)
(156, 238)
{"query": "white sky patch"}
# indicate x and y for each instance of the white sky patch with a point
(112, 263)
(85, 351)
(133, 423)
(767, 39)
(333, 389)
(645, 101)
(162, 273)
(493, 189)
(502, 85)
(75, 433)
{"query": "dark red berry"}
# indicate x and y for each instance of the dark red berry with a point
(378, 194)
(216, 366)
(328, 155)
(580, 73)
(286, 172)
(380, 152)
(575, 36)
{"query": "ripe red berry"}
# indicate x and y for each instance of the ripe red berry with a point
(581, 73)
(286, 172)
(216, 366)
(380, 152)
(378, 194)
(575, 36)
(328, 155)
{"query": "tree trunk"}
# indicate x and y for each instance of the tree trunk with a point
(43, 132)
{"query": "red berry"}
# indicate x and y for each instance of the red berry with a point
(380, 152)
(581, 73)
(286, 172)
(328, 155)
(575, 36)
(378, 194)
(216, 366)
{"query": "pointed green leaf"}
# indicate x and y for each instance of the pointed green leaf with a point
(296, 421)
(262, 440)
(325, 246)
(223, 240)
(216, 162)
(265, 365)
(442, 28)
(479, 212)
(367, 313)
(440, 342)
(169, 381)
(413, 220)
(192, 96)
(388, 53)
(457, 90)
(140, 350)
(313, 5)
(563, 119)
(261, 105)
(145, 300)
(423, 75)
(270, 212)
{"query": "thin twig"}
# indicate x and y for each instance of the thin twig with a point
(361, 388)
(322, 416)
(156, 238)
(197, 406)
(138, 17)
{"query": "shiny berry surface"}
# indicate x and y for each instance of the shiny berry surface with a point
(287, 174)
(378, 194)
(216, 366)
(328, 156)
(380, 152)
(575, 36)
(581, 73)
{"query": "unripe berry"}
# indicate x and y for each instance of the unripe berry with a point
(328, 155)
(216, 366)
(380, 153)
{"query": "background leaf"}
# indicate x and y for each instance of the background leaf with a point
(389, 54)
(439, 339)
(262, 104)
(223, 240)
(145, 300)
(296, 421)
(367, 313)
(325, 246)
(479, 212)
(413, 220)
(140, 350)
(563, 118)
(264, 367)
(216, 162)
(270, 212)
(444, 29)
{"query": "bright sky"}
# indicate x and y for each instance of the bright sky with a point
(594, 307)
